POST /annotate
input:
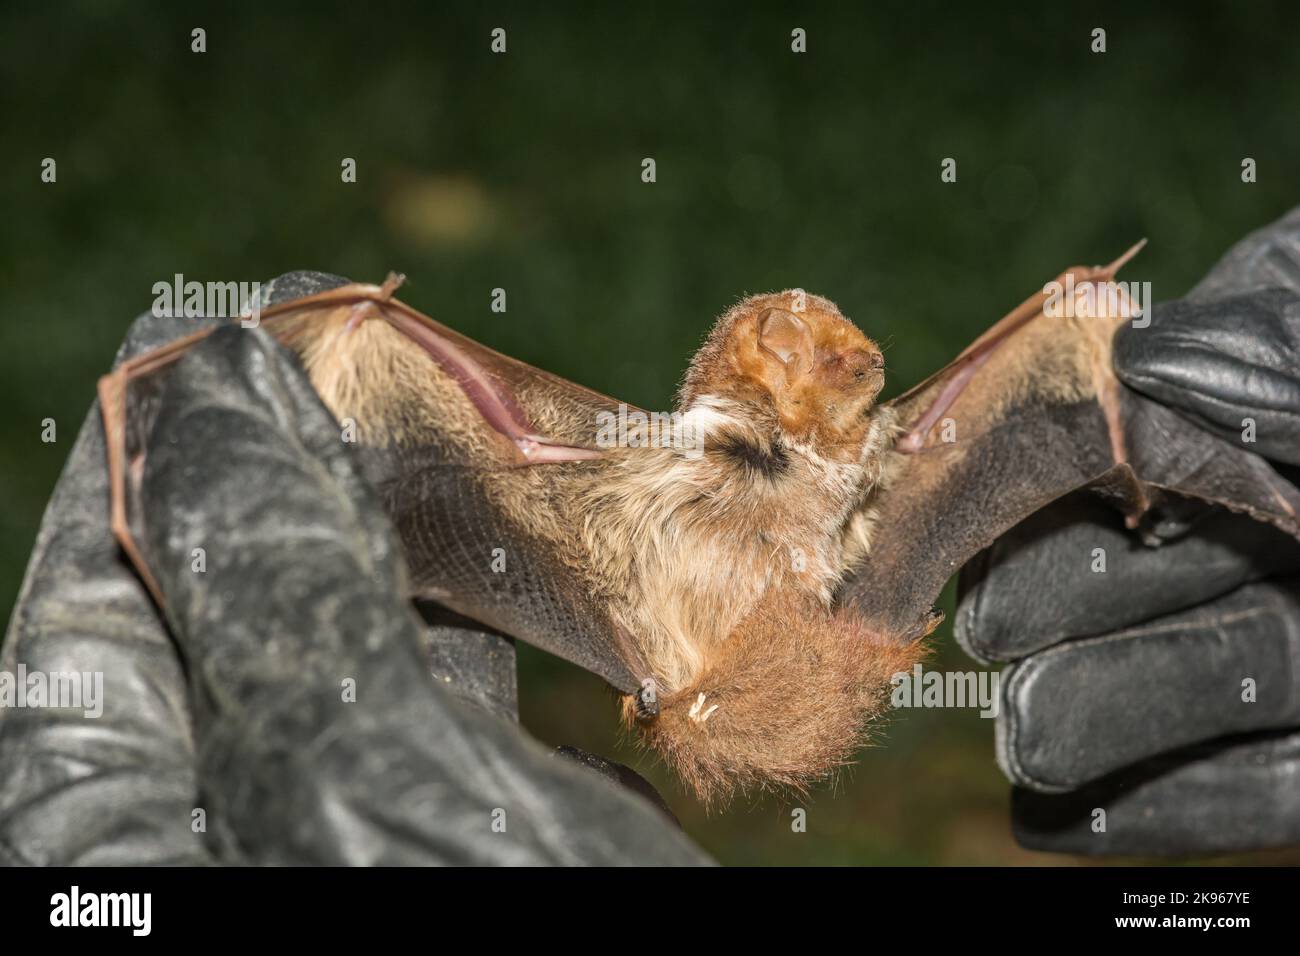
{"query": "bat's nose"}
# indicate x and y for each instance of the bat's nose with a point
(861, 363)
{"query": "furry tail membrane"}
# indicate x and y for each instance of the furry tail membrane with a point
(783, 702)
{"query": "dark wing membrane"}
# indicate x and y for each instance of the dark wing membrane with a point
(1041, 417)
(467, 554)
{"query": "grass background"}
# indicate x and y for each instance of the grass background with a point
(522, 171)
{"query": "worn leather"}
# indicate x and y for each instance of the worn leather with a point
(1036, 586)
(1228, 364)
(1230, 349)
(1087, 707)
(1221, 797)
(118, 788)
(1160, 695)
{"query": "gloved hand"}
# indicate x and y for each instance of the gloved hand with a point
(1153, 706)
(292, 695)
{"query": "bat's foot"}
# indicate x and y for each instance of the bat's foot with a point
(698, 712)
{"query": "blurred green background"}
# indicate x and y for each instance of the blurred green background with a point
(522, 171)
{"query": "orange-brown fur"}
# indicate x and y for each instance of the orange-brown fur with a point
(786, 698)
(720, 567)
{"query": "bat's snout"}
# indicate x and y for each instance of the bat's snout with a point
(868, 361)
(857, 369)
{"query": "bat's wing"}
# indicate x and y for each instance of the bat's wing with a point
(439, 497)
(470, 555)
(1031, 411)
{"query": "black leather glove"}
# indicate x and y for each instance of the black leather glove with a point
(1153, 707)
(292, 695)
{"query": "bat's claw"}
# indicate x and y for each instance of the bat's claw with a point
(1123, 260)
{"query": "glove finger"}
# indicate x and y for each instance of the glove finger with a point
(80, 788)
(1082, 709)
(1232, 365)
(1219, 798)
(1073, 570)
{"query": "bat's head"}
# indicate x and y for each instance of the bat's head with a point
(795, 357)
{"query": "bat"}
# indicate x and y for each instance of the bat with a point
(750, 570)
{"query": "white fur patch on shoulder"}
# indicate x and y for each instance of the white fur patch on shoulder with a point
(709, 414)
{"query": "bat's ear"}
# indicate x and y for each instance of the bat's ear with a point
(788, 339)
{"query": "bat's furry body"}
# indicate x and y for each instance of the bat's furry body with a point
(717, 560)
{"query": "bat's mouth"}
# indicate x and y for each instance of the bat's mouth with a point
(873, 381)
